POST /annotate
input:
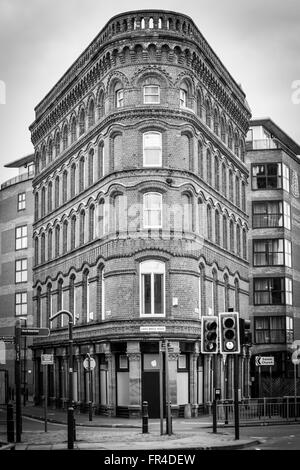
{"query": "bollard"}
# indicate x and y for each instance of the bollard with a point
(10, 423)
(145, 416)
(71, 422)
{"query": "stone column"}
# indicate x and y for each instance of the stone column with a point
(173, 361)
(111, 385)
(135, 379)
(194, 381)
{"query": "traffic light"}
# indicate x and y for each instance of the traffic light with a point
(229, 333)
(209, 334)
(245, 332)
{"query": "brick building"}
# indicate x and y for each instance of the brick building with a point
(140, 213)
(16, 219)
(274, 252)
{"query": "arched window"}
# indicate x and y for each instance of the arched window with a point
(91, 114)
(101, 104)
(217, 173)
(236, 145)
(82, 122)
(43, 157)
(245, 244)
(225, 238)
(230, 174)
(230, 137)
(217, 227)
(36, 251)
(152, 149)
(65, 137)
(119, 95)
(199, 104)
(215, 293)
(226, 293)
(152, 212)
(48, 305)
(187, 212)
(183, 95)
(43, 248)
(200, 159)
(81, 174)
(36, 206)
(100, 160)
(101, 218)
(50, 151)
(202, 295)
(207, 113)
(243, 196)
(65, 186)
(231, 235)
(50, 197)
(57, 240)
(152, 288)
(224, 180)
(91, 167)
(37, 163)
(242, 150)
(73, 232)
(100, 293)
(57, 145)
(50, 244)
(91, 222)
(223, 130)
(209, 222)
(56, 196)
(85, 296)
(151, 23)
(237, 295)
(201, 217)
(81, 227)
(60, 302)
(237, 191)
(209, 167)
(216, 121)
(73, 130)
(65, 236)
(43, 202)
(238, 240)
(73, 177)
(72, 296)
(39, 306)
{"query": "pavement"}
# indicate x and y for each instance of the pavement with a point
(105, 433)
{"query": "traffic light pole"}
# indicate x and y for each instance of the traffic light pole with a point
(214, 404)
(18, 380)
(236, 396)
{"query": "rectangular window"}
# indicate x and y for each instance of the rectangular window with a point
(21, 201)
(289, 329)
(21, 303)
(267, 176)
(272, 291)
(120, 98)
(151, 94)
(271, 214)
(152, 288)
(21, 237)
(270, 330)
(268, 252)
(152, 210)
(21, 270)
(182, 362)
(288, 253)
(123, 362)
(152, 149)
(286, 177)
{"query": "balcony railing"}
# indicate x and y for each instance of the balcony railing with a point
(262, 144)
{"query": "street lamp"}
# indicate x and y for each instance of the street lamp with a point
(71, 422)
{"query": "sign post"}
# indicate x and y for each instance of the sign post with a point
(296, 361)
(161, 404)
(18, 380)
(46, 359)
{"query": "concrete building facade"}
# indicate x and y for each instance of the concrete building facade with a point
(274, 253)
(140, 214)
(16, 219)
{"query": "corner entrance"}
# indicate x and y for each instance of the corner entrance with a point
(150, 384)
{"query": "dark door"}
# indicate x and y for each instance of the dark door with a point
(150, 392)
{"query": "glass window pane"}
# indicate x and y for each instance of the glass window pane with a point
(158, 293)
(147, 293)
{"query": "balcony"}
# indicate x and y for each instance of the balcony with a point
(262, 144)
(17, 179)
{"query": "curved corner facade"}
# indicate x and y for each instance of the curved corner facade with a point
(140, 214)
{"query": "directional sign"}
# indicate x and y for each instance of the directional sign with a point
(89, 363)
(152, 329)
(47, 359)
(7, 339)
(35, 332)
(264, 361)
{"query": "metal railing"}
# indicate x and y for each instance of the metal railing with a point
(262, 410)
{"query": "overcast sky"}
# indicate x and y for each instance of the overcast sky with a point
(258, 41)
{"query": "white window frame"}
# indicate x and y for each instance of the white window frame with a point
(152, 267)
(120, 98)
(156, 95)
(21, 303)
(285, 177)
(288, 253)
(21, 201)
(288, 291)
(286, 215)
(183, 98)
(147, 210)
(21, 237)
(159, 150)
(21, 275)
(102, 295)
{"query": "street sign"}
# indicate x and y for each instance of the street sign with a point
(47, 359)
(152, 329)
(7, 339)
(35, 332)
(296, 353)
(264, 361)
(89, 363)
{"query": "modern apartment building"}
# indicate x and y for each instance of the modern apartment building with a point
(274, 252)
(16, 219)
(140, 215)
